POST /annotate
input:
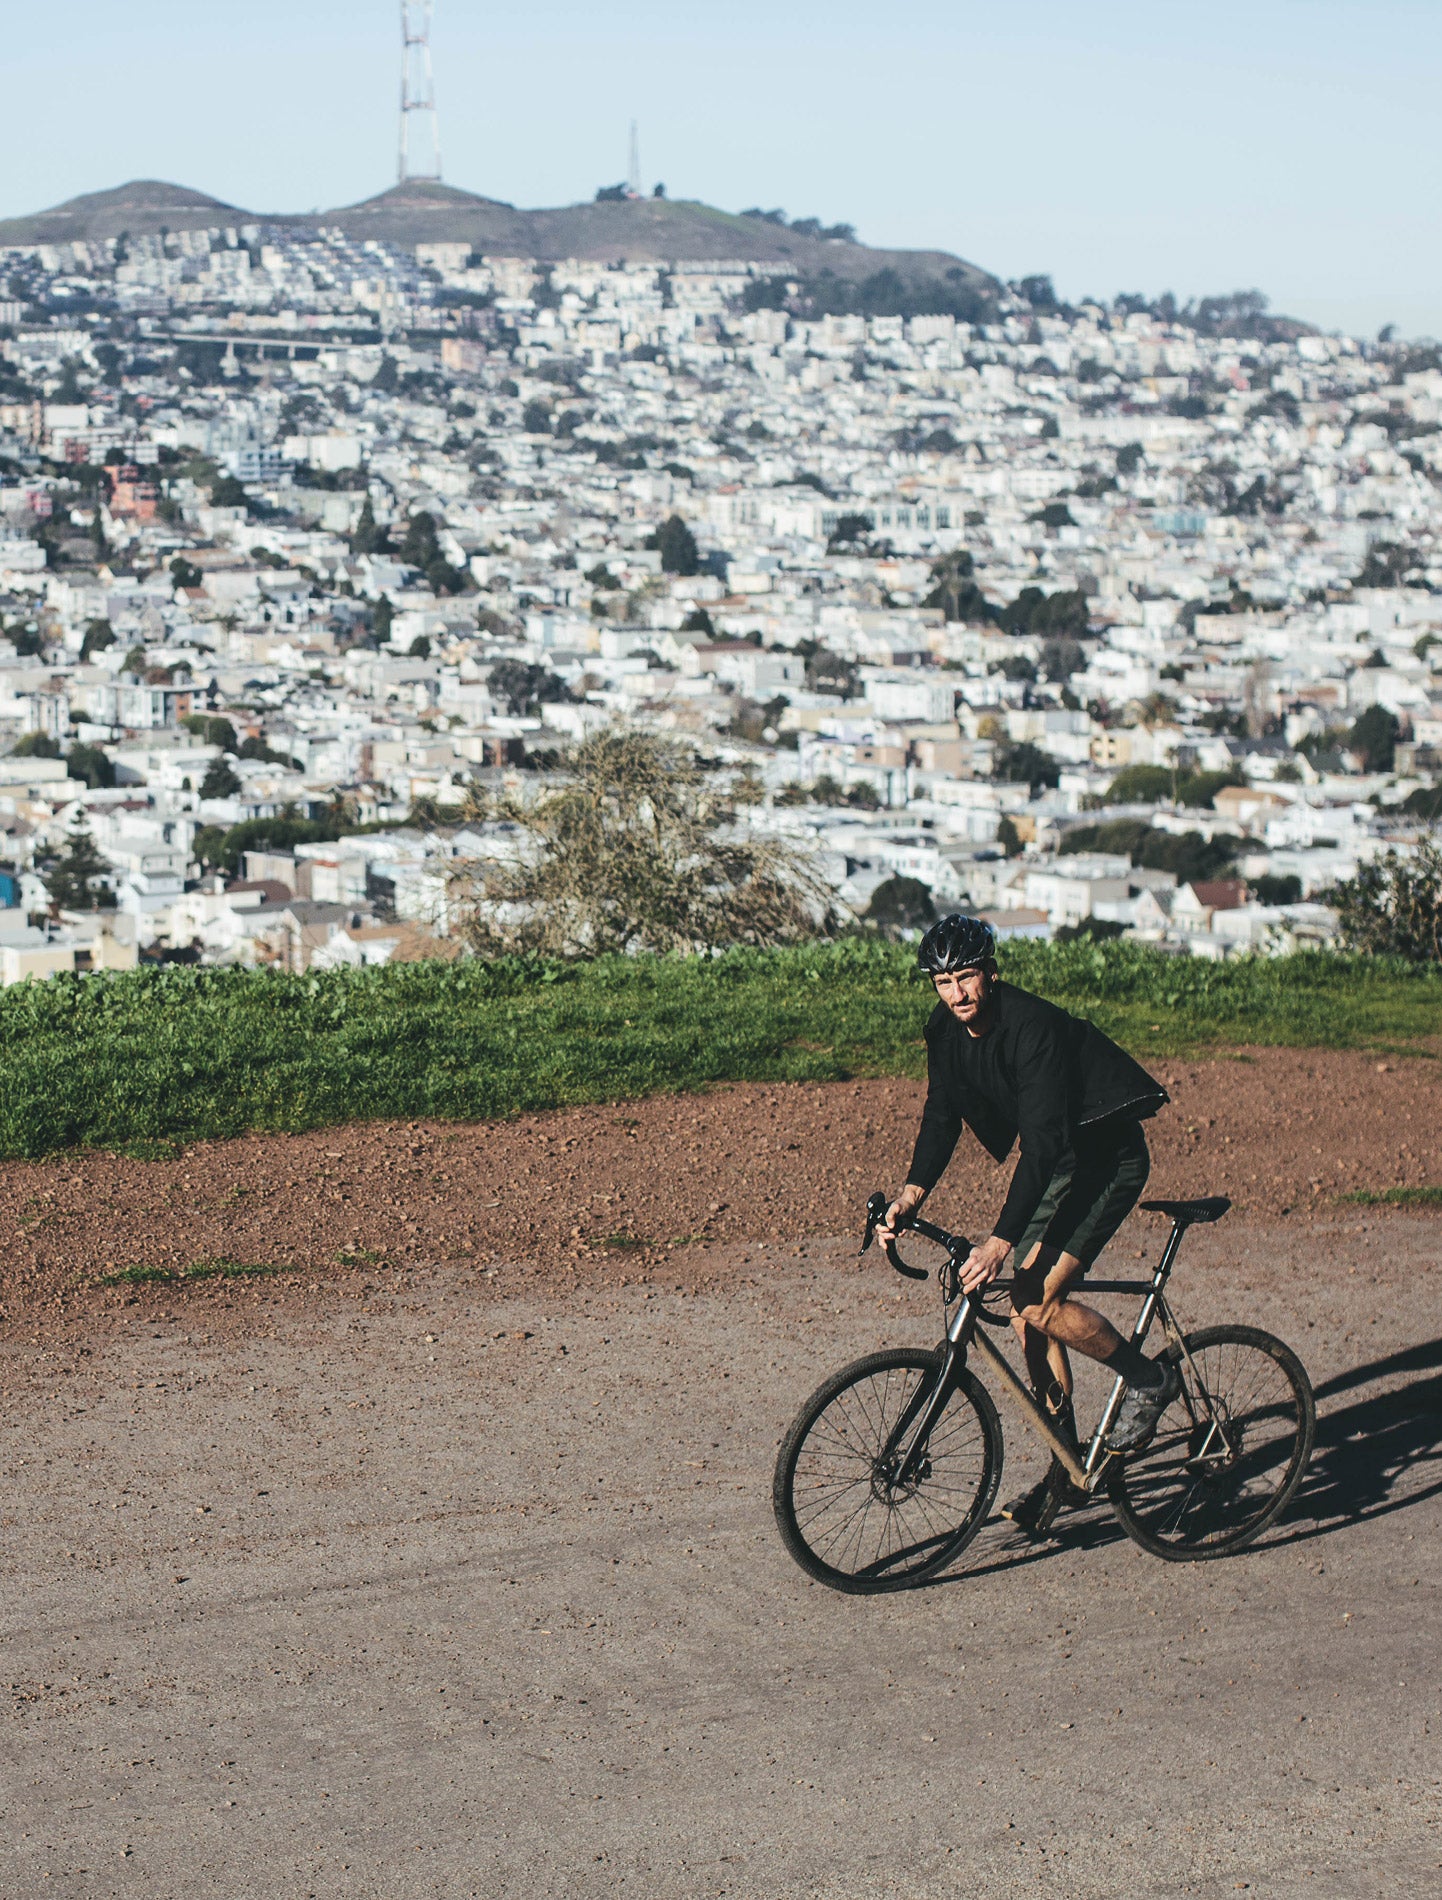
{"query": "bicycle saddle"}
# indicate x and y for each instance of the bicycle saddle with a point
(1189, 1213)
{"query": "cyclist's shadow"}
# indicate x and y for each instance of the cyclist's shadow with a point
(1379, 1453)
(1376, 1454)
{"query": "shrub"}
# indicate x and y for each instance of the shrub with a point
(1393, 906)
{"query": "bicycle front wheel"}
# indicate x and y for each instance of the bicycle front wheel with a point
(842, 1512)
(1228, 1455)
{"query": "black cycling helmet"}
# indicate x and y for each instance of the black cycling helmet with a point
(956, 943)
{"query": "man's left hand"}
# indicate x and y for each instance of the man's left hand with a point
(984, 1263)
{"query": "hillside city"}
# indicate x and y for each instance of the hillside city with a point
(1099, 620)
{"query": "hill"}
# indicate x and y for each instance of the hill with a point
(143, 207)
(425, 211)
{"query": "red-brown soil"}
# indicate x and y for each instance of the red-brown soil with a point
(660, 1188)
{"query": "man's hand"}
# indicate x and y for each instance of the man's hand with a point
(984, 1263)
(899, 1212)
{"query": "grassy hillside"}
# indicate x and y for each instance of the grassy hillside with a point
(121, 1060)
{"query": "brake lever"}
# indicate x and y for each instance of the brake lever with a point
(875, 1214)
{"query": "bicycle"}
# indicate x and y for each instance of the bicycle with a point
(892, 1465)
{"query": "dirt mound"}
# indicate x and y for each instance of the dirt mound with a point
(660, 1188)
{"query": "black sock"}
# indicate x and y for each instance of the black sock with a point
(1135, 1367)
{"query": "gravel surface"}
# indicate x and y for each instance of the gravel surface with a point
(442, 1585)
(451, 1572)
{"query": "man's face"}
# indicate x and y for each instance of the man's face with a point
(965, 993)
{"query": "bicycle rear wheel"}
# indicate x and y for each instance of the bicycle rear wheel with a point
(841, 1513)
(1228, 1455)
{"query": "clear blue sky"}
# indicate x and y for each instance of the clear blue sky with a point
(1290, 145)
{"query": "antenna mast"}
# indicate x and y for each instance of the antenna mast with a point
(633, 181)
(418, 93)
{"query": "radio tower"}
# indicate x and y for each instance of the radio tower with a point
(633, 180)
(418, 93)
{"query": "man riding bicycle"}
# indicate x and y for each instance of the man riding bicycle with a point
(1007, 1064)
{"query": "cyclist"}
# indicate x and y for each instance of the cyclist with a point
(1007, 1064)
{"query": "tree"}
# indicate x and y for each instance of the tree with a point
(1016, 667)
(1034, 611)
(901, 903)
(1189, 856)
(211, 729)
(639, 848)
(228, 493)
(185, 573)
(74, 880)
(421, 548)
(1200, 788)
(1374, 737)
(850, 529)
(489, 622)
(1008, 837)
(699, 621)
(1026, 764)
(1054, 515)
(382, 619)
(221, 780)
(99, 634)
(1275, 888)
(1393, 906)
(1141, 785)
(954, 590)
(367, 537)
(419, 648)
(387, 377)
(752, 720)
(224, 849)
(827, 672)
(677, 545)
(35, 745)
(91, 764)
(524, 686)
(1061, 658)
(267, 755)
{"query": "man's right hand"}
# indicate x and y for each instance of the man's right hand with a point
(899, 1212)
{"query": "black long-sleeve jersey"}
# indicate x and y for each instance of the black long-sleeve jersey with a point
(1037, 1073)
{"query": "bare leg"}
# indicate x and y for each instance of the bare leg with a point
(1041, 1301)
(1046, 1359)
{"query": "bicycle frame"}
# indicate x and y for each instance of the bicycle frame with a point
(963, 1332)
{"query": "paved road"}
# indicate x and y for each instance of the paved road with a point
(381, 1604)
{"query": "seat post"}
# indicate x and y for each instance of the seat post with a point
(1159, 1281)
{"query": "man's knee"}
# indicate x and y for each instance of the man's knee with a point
(1042, 1314)
(1034, 1303)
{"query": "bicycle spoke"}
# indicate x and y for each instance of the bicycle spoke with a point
(849, 1505)
(1226, 1454)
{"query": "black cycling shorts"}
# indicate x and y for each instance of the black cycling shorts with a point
(1085, 1205)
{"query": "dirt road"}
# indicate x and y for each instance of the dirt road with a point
(455, 1582)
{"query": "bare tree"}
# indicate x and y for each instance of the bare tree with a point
(638, 847)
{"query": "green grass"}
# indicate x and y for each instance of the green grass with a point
(218, 1268)
(139, 1061)
(1395, 1197)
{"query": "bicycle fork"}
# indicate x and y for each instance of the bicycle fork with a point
(925, 1408)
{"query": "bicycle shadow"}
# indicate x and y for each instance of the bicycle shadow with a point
(1376, 1455)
